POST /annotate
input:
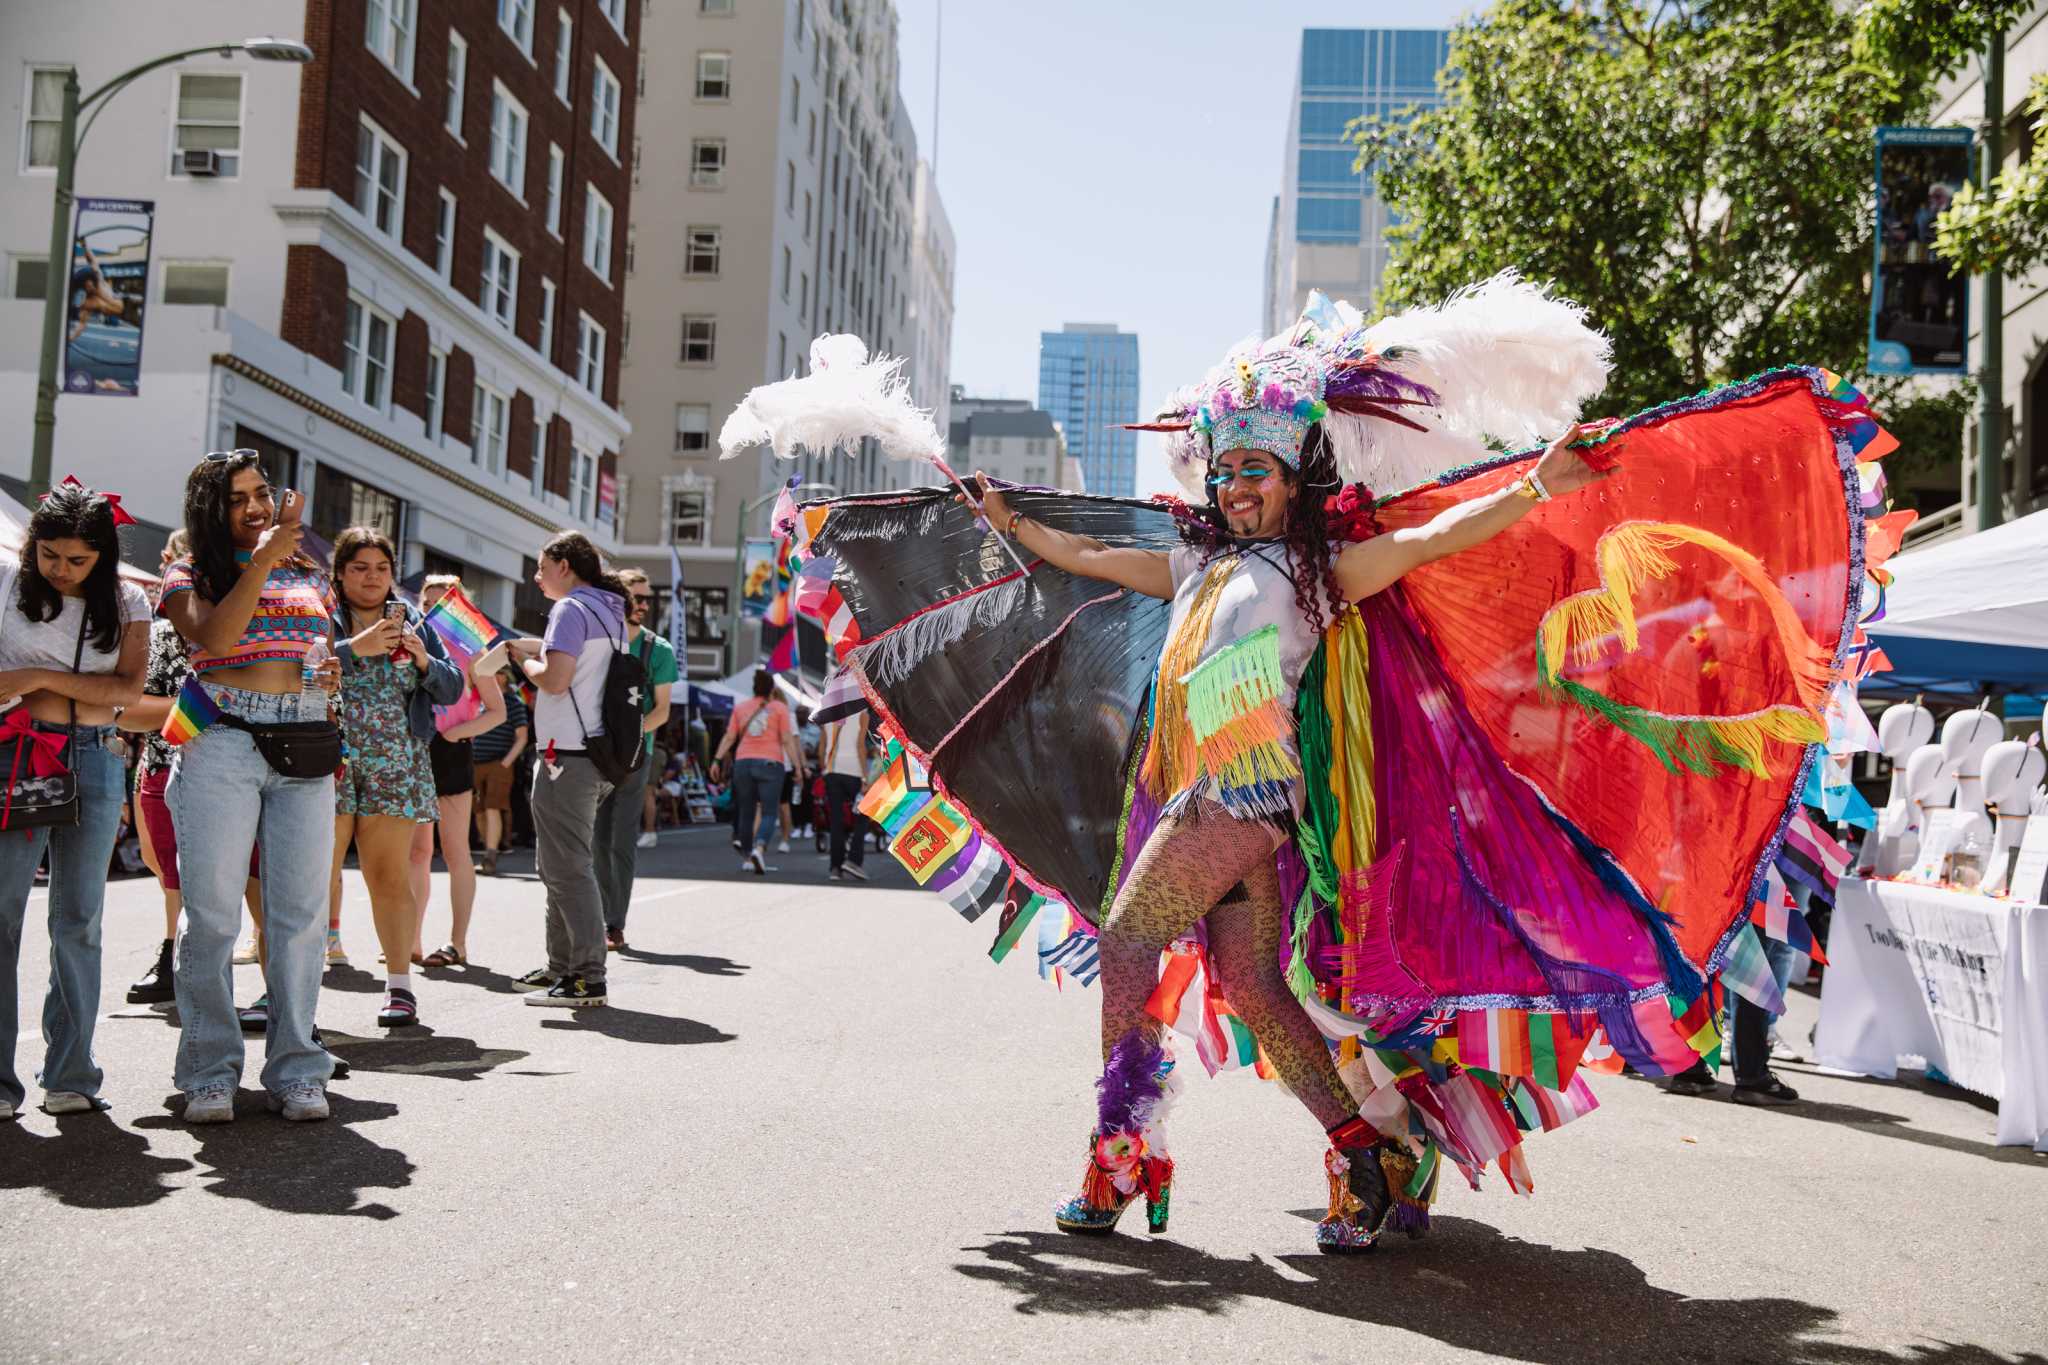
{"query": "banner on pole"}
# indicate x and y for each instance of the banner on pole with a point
(104, 301)
(1919, 308)
(757, 577)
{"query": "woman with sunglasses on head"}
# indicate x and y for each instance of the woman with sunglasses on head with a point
(73, 639)
(393, 673)
(252, 608)
(455, 770)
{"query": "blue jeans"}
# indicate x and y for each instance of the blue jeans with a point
(79, 855)
(756, 792)
(224, 799)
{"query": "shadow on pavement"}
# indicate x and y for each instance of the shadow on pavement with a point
(92, 1163)
(318, 1168)
(471, 974)
(346, 976)
(1466, 1285)
(709, 966)
(1879, 1124)
(636, 1026)
(419, 1051)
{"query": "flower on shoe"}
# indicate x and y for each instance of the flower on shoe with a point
(1119, 1155)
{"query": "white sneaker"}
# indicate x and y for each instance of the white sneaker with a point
(210, 1104)
(854, 871)
(782, 847)
(65, 1102)
(646, 840)
(301, 1102)
(245, 953)
(756, 863)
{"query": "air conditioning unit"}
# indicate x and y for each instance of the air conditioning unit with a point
(199, 161)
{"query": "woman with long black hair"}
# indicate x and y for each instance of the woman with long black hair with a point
(73, 642)
(253, 608)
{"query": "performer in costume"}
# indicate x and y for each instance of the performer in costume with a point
(1456, 818)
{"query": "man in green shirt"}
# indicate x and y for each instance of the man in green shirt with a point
(617, 844)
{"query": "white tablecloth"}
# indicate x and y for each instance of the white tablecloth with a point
(1958, 980)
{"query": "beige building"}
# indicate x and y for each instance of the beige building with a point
(777, 198)
(1007, 438)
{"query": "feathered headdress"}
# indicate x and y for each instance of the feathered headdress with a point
(845, 397)
(1407, 398)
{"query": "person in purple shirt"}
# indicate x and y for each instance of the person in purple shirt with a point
(568, 666)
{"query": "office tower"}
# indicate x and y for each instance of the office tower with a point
(1088, 381)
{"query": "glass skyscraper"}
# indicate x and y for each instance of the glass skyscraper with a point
(1088, 381)
(1329, 231)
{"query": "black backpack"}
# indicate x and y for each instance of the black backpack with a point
(618, 752)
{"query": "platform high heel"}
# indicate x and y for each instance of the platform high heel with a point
(1127, 1156)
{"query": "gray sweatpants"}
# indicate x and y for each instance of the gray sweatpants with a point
(565, 801)
(617, 848)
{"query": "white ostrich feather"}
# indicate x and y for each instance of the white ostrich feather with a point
(1509, 364)
(846, 397)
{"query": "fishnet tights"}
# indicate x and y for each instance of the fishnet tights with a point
(1186, 867)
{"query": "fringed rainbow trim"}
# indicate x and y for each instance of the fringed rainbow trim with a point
(1242, 728)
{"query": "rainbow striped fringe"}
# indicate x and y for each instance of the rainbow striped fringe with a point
(1241, 728)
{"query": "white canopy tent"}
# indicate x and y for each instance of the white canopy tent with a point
(741, 684)
(1970, 613)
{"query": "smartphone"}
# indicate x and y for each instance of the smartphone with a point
(290, 507)
(394, 611)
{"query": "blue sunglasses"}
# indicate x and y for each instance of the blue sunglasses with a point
(1250, 475)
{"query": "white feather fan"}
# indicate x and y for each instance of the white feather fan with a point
(845, 397)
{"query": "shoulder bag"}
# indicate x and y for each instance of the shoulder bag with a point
(45, 796)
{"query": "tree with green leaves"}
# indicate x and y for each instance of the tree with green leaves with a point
(1696, 172)
(2004, 226)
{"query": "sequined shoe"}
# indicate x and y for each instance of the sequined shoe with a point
(1363, 1172)
(1120, 1168)
(1127, 1156)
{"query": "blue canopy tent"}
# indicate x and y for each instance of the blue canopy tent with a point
(1968, 616)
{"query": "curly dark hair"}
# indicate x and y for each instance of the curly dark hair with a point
(209, 490)
(72, 511)
(1307, 536)
(574, 549)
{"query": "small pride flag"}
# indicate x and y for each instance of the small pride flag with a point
(192, 712)
(462, 627)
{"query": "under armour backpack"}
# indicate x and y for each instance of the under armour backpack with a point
(617, 753)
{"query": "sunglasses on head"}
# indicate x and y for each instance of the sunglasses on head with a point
(220, 456)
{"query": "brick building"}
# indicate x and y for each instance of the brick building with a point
(400, 274)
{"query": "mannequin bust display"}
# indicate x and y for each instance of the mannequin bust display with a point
(1966, 737)
(1902, 728)
(1930, 785)
(2013, 768)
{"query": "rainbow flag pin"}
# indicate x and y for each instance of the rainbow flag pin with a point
(192, 712)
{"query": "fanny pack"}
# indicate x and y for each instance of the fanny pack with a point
(302, 748)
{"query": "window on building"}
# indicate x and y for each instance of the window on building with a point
(500, 292)
(700, 340)
(565, 33)
(590, 341)
(614, 10)
(787, 261)
(39, 126)
(488, 415)
(547, 318)
(796, 99)
(516, 18)
(340, 502)
(366, 353)
(702, 249)
(539, 456)
(444, 235)
(582, 484)
(689, 517)
(604, 109)
(597, 233)
(693, 428)
(803, 300)
(789, 188)
(811, 140)
(209, 119)
(554, 189)
(808, 207)
(508, 140)
(388, 30)
(437, 394)
(458, 77)
(714, 75)
(28, 277)
(705, 612)
(200, 282)
(707, 162)
(714, 6)
(630, 240)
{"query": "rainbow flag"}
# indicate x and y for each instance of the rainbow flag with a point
(468, 635)
(192, 712)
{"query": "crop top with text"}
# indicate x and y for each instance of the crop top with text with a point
(291, 614)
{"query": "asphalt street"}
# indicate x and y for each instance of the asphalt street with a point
(818, 1123)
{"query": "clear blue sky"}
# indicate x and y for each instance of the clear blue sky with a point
(1113, 163)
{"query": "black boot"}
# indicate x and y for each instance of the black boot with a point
(157, 983)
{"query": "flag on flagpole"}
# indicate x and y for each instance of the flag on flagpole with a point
(675, 596)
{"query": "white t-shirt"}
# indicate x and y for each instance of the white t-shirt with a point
(50, 644)
(848, 756)
(1260, 593)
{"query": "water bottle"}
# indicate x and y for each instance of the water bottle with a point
(312, 696)
(1966, 863)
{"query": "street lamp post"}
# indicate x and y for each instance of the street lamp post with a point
(739, 563)
(56, 288)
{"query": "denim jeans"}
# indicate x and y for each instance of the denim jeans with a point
(79, 855)
(756, 792)
(566, 795)
(616, 847)
(842, 791)
(224, 800)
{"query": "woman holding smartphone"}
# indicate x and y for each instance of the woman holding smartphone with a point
(251, 607)
(393, 672)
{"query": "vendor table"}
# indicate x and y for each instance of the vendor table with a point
(1958, 980)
